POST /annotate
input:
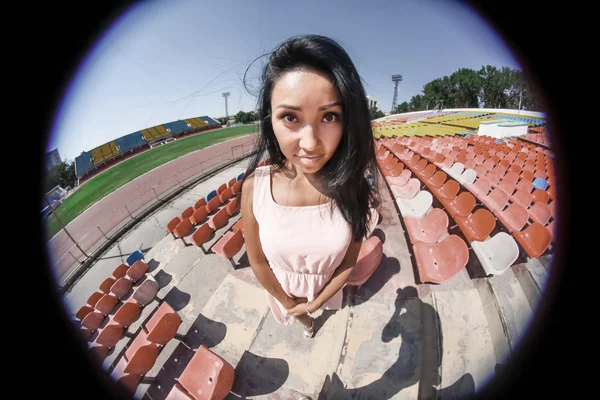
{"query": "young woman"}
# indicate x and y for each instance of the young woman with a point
(306, 214)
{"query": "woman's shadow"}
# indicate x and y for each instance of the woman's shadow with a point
(419, 358)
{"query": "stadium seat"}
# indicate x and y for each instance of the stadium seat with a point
(429, 228)
(201, 236)
(476, 226)
(497, 253)
(229, 245)
(211, 195)
(369, 258)
(441, 261)
(200, 204)
(145, 292)
(225, 195)
(207, 373)
(417, 206)
(535, 239)
(137, 270)
(399, 180)
(173, 224)
(163, 325)
(467, 177)
(218, 220)
(437, 180)
(134, 257)
(514, 217)
(187, 213)
(233, 207)
(199, 215)
(406, 191)
(461, 205)
(497, 199)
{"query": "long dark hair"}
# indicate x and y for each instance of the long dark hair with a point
(344, 175)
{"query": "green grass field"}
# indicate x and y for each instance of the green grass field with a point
(115, 177)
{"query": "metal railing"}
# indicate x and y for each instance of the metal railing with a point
(114, 225)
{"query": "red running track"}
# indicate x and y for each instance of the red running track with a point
(185, 167)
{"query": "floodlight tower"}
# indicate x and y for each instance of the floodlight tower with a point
(226, 95)
(396, 79)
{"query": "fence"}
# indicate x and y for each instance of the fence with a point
(71, 261)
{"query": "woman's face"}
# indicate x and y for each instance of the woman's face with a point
(306, 113)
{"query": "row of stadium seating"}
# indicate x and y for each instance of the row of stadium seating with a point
(88, 160)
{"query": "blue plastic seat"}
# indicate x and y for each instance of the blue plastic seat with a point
(210, 196)
(134, 257)
(540, 183)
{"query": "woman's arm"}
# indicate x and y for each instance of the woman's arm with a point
(339, 277)
(256, 256)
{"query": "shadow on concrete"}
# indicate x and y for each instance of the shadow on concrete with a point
(256, 375)
(243, 262)
(163, 279)
(205, 331)
(419, 357)
(321, 319)
(177, 299)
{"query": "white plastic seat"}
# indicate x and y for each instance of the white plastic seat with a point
(497, 253)
(467, 177)
(406, 191)
(417, 206)
(455, 170)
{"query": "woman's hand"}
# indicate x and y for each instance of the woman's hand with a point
(298, 310)
(294, 301)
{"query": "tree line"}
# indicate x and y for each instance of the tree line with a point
(490, 87)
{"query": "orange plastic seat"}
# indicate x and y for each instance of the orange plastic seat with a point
(449, 190)
(477, 226)
(427, 172)
(461, 205)
(128, 313)
(226, 195)
(507, 187)
(121, 287)
(369, 257)
(173, 224)
(540, 213)
(105, 286)
(120, 271)
(129, 381)
(93, 320)
(535, 239)
(107, 303)
(428, 228)
(437, 180)
(231, 182)
(494, 177)
(163, 325)
(187, 213)
(522, 197)
(540, 196)
(99, 350)
(527, 174)
(200, 203)
(221, 189)
(146, 292)
(233, 207)
(440, 262)
(496, 200)
(94, 297)
(218, 220)
(201, 235)
(83, 312)
(213, 205)
(420, 166)
(137, 270)
(514, 217)
(207, 373)
(198, 216)
(140, 355)
(229, 245)
(183, 228)
(237, 187)
(110, 335)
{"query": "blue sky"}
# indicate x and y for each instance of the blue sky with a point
(167, 60)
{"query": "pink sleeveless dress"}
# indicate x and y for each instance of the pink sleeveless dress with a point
(304, 245)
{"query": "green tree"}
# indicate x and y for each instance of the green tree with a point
(376, 113)
(402, 108)
(62, 175)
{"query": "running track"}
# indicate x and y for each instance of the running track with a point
(97, 213)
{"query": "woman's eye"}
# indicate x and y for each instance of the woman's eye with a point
(330, 117)
(289, 118)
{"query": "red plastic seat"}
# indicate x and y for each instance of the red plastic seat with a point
(496, 200)
(226, 195)
(200, 203)
(137, 270)
(140, 355)
(122, 287)
(448, 191)
(173, 224)
(521, 197)
(237, 187)
(477, 226)
(199, 215)
(427, 172)
(107, 303)
(128, 313)
(540, 213)
(83, 312)
(400, 179)
(461, 205)
(163, 325)
(120, 271)
(231, 182)
(213, 205)
(428, 228)
(187, 213)
(239, 225)
(437, 180)
(369, 257)
(94, 297)
(218, 220)
(93, 320)
(229, 245)
(208, 374)
(105, 286)
(201, 235)
(440, 262)
(233, 207)
(110, 335)
(178, 393)
(146, 292)
(514, 217)
(535, 239)
(221, 189)
(183, 228)
(540, 196)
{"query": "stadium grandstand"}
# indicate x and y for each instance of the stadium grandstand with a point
(88, 163)
(445, 285)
